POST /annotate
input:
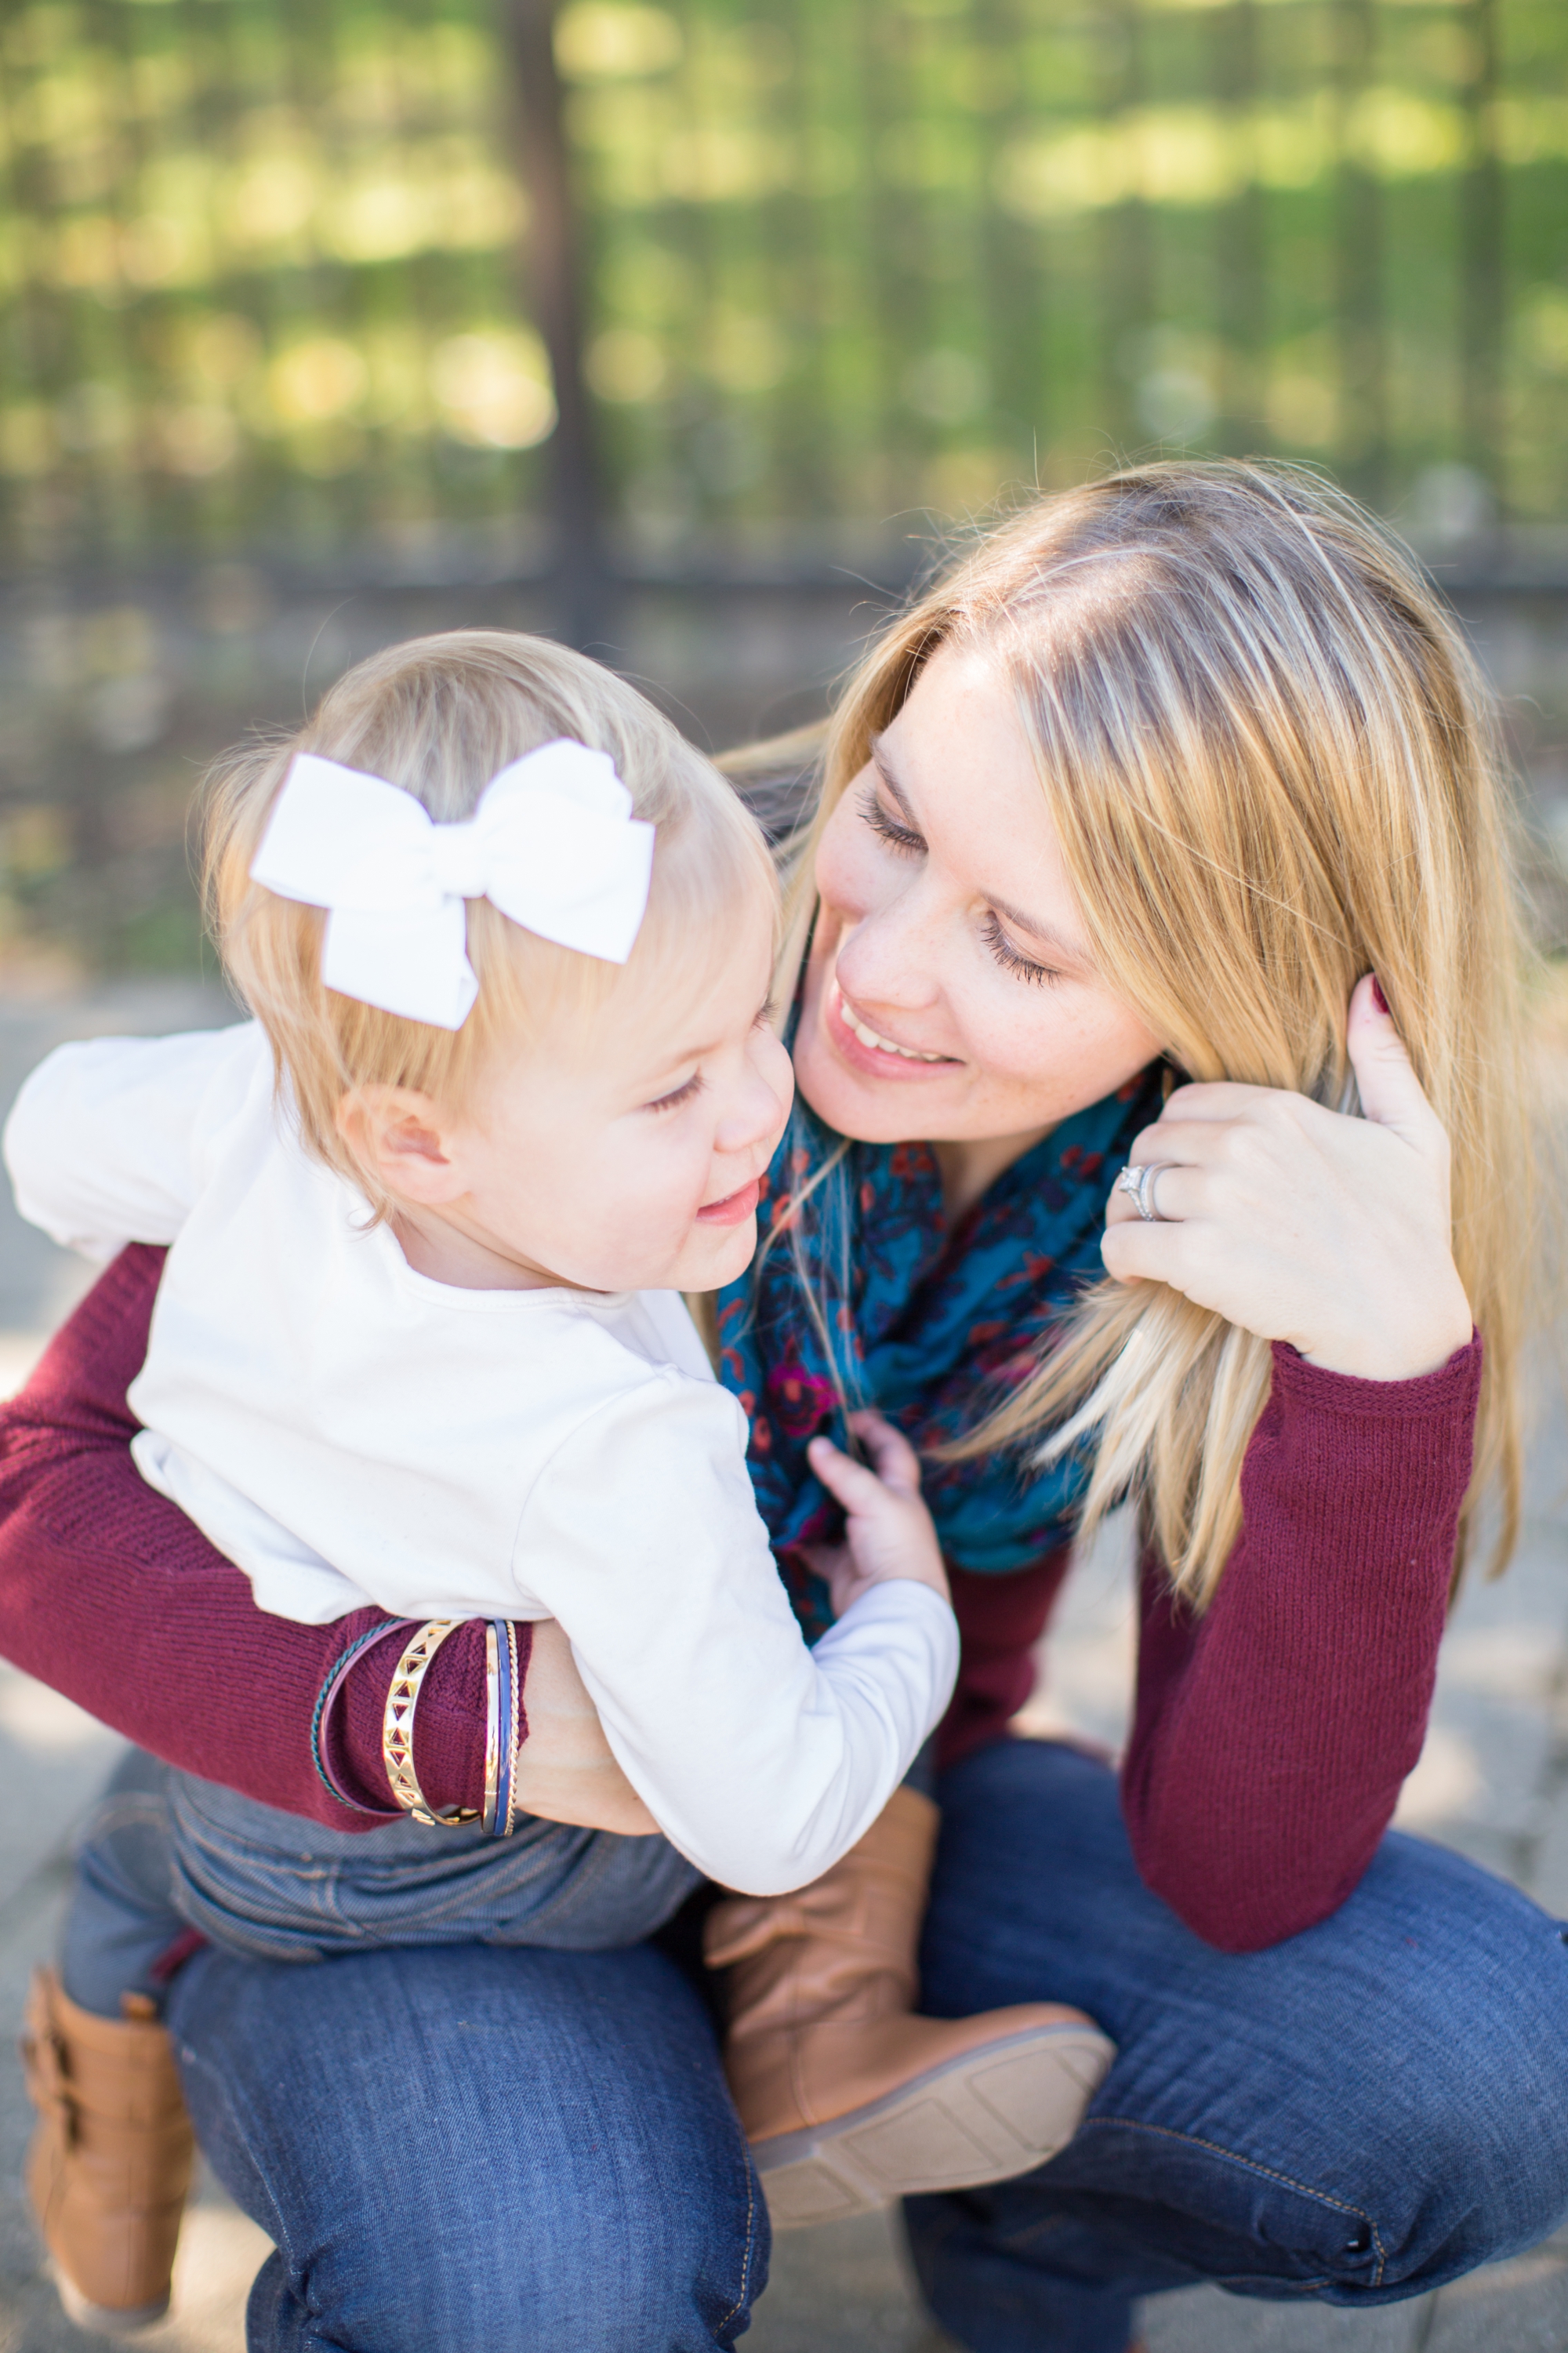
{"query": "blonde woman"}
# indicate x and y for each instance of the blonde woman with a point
(1164, 834)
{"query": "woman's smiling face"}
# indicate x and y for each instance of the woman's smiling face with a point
(950, 994)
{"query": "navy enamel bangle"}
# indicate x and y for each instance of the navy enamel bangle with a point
(515, 1733)
(492, 1726)
(500, 1728)
(327, 1699)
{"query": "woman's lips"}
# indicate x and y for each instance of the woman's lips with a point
(735, 1207)
(883, 1061)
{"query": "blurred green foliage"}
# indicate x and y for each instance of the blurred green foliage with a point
(261, 282)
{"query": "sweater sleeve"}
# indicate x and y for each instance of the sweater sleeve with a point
(1000, 1620)
(1272, 1735)
(112, 1597)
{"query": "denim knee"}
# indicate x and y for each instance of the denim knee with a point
(1360, 2113)
(529, 2151)
(1483, 2099)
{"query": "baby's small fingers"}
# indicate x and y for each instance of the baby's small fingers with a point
(895, 1462)
(851, 1483)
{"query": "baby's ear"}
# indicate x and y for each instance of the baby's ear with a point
(398, 1137)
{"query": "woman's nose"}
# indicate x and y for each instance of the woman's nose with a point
(892, 955)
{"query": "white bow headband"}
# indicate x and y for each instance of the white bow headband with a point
(552, 844)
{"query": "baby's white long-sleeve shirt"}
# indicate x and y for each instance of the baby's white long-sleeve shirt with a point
(348, 1431)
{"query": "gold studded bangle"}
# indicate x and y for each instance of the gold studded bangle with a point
(397, 1728)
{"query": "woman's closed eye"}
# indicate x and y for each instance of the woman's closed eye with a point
(1013, 959)
(903, 838)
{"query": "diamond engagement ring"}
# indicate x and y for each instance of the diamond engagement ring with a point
(1139, 1183)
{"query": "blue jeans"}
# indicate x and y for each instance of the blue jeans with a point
(533, 2152)
(1358, 2114)
(164, 1852)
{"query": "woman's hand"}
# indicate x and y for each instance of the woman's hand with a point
(1305, 1224)
(566, 1770)
(889, 1533)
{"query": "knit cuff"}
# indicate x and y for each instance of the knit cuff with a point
(1452, 1389)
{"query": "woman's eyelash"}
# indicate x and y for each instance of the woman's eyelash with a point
(904, 838)
(899, 836)
(1040, 976)
(682, 1095)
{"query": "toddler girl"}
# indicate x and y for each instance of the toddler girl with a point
(511, 1088)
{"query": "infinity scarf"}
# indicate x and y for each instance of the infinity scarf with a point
(930, 1325)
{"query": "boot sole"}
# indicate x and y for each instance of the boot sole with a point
(104, 2319)
(996, 2112)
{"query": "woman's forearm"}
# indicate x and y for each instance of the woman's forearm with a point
(1273, 1735)
(112, 1597)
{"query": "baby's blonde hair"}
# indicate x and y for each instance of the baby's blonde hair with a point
(439, 717)
(1272, 767)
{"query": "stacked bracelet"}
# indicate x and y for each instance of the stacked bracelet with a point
(397, 1728)
(503, 1722)
(327, 1699)
(500, 1727)
(508, 1793)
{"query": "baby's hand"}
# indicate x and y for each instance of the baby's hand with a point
(890, 1532)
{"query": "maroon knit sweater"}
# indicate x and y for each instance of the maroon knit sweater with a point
(1270, 1737)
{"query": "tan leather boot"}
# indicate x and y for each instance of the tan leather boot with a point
(110, 2159)
(850, 2100)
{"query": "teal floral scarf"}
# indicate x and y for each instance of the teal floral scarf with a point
(930, 1325)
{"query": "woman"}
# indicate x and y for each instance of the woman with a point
(1165, 769)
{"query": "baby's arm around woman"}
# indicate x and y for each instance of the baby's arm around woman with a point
(762, 1761)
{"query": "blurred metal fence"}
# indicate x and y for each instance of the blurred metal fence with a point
(669, 327)
(312, 280)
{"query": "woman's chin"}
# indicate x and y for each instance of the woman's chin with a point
(870, 1105)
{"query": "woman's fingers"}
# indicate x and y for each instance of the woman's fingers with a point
(1391, 1093)
(566, 1772)
(1143, 1253)
(1177, 1192)
(1301, 1224)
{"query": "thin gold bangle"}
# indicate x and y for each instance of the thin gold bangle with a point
(397, 1728)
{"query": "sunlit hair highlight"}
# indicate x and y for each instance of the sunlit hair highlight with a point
(1272, 767)
(439, 716)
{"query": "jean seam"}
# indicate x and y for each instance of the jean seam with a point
(126, 1810)
(745, 2297)
(193, 2061)
(1268, 2173)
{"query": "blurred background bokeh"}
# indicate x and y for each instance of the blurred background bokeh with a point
(686, 331)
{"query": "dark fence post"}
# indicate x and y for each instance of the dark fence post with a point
(582, 576)
(1484, 260)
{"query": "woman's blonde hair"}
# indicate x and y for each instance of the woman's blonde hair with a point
(440, 716)
(1272, 767)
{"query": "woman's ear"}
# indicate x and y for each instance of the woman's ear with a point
(403, 1140)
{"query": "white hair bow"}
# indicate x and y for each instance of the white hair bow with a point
(552, 844)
